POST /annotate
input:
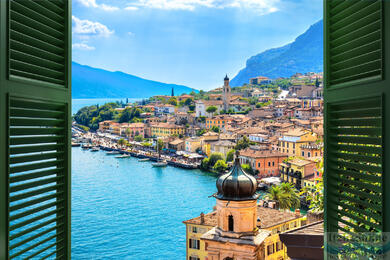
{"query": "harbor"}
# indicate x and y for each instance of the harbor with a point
(94, 142)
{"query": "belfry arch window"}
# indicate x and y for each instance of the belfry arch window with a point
(231, 223)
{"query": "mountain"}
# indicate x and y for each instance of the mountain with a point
(88, 82)
(303, 55)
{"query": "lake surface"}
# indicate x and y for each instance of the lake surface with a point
(79, 103)
(125, 209)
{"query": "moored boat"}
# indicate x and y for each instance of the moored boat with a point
(86, 146)
(123, 156)
(113, 153)
(160, 163)
(95, 149)
(144, 160)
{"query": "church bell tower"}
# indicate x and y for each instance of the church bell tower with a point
(226, 92)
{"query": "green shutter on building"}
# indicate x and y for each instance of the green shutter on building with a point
(35, 105)
(356, 94)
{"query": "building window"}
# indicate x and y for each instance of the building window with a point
(258, 165)
(194, 230)
(308, 154)
(269, 164)
(279, 246)
(270, 249)
(231, 223)
(194, 244)
(273, 163)
(303, 153)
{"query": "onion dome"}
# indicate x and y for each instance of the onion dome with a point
(226, 77)
(237, 185)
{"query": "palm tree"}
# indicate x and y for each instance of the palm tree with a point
(160, 145)
(293, 194)
(285, 195)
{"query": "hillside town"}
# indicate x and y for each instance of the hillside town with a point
(267, 130)
(279, 132)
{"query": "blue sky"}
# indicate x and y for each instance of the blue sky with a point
(189, 42)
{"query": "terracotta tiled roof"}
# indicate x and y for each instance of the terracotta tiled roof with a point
(268, 218)
(316, 228)
(210, 219)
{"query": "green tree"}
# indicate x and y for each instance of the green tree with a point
(172, 101)
(243, 143)
(138, 138)
(215, 129)
(214, 157)
(205, 164)
(220, 166)
(160, 146)
(188, 101)
(200, 132)
(128, 132)
(315, 196)
(286, 196)
(317, 84)
(122, 142)
(248, 169)
(230, 155)
(211, 109)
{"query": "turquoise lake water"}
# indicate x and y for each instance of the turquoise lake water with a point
(125, 209)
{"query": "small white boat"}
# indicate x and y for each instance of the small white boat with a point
(95, 149)
(160, 163)
(122, 156)
(86, 146)
(143, 160)
(113, 153)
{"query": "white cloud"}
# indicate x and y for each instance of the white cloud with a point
(82, 46)
(89, 28)
(260, 6)
(131, 34)
(131, 8)
(104, 7)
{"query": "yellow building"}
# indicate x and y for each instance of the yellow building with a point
(272, 220)
(220, 121)
(292, 141)
(207, 138)
(192, 144)
(166, 130)
(115, 128)
(239, 228)
(195, 228)
(296, 171)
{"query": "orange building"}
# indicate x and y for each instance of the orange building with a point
(105, 125)
(311, 151)
(265, 162)
(133, 129)
(220, 121)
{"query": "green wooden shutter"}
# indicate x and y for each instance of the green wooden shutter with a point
(356, 102)
(35, 105)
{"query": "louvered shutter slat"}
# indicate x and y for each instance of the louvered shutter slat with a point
(37, 36)
(354, 41)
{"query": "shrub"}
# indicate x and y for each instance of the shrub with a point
(230, 155)
(220, 166)
(214, 157)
